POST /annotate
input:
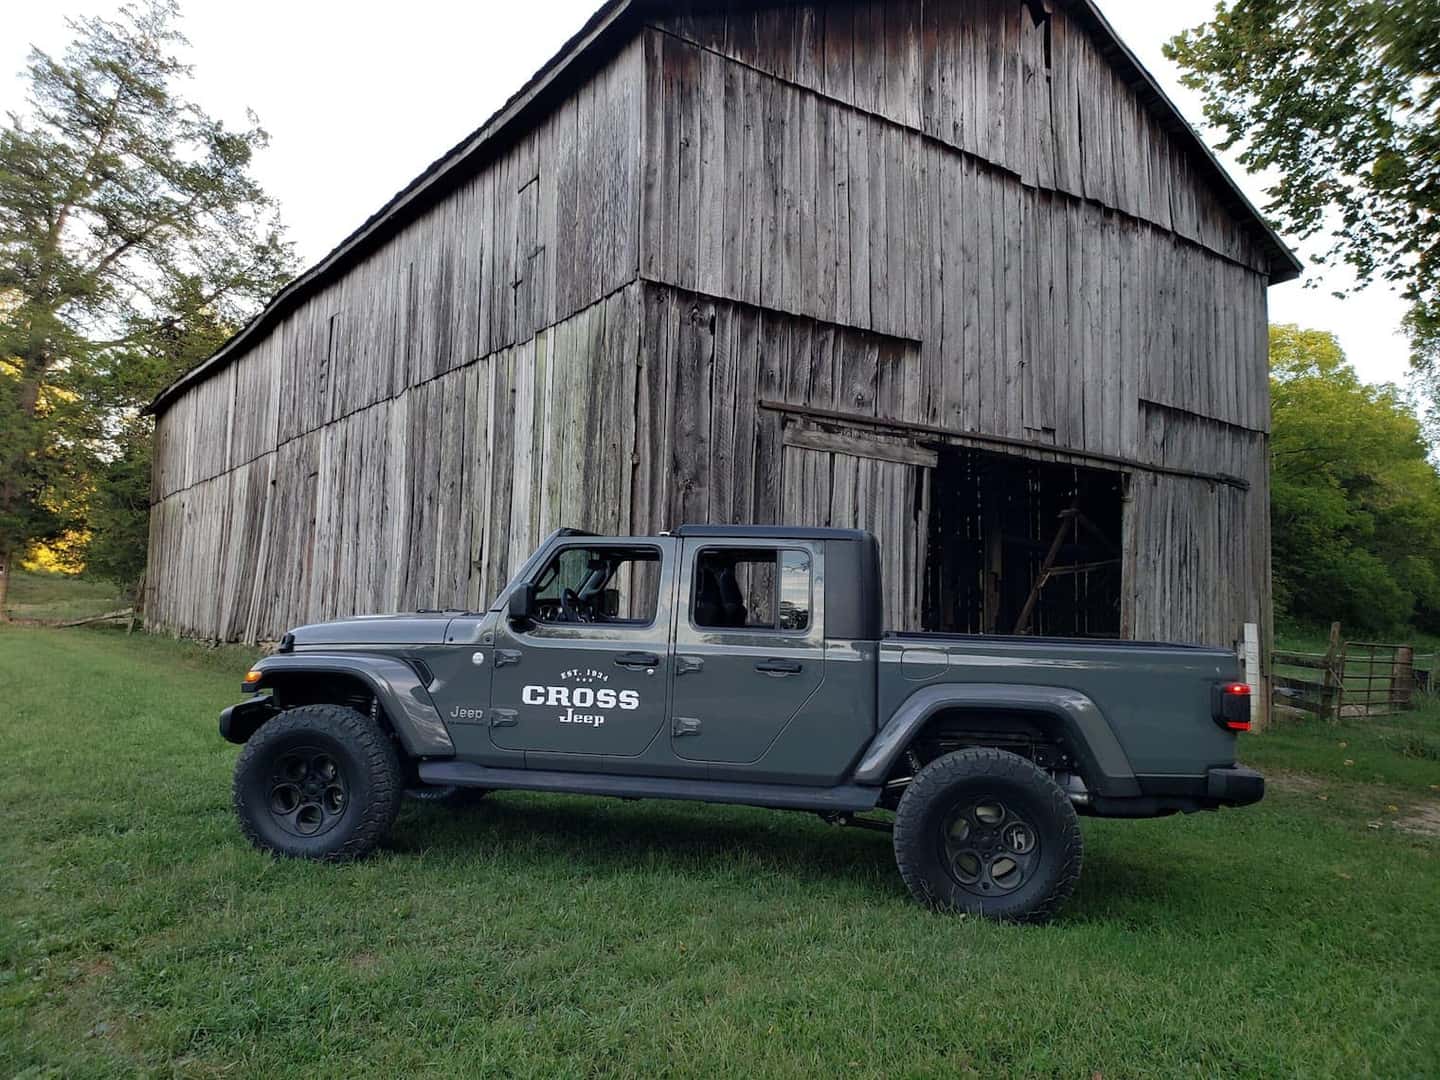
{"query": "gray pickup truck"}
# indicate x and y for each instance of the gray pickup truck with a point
(740, 665)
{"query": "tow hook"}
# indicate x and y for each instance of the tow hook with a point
(846, 819)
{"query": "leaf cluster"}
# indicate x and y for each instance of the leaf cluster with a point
(1355, 501)
(1340, 99)
(134, 239)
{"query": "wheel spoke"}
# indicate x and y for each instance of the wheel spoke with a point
(989, 814)
(969, 867)
(1005, 872)
(309, 818)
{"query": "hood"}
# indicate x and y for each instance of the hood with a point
(419, 628)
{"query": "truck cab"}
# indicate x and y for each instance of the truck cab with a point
(710, 653)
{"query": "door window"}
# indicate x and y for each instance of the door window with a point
(752, 589)
(591, 584)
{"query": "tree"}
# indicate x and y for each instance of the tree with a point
(1355, 503)
(1341, 99)
(119, 512)
(133, 239)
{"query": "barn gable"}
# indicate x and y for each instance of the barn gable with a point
(951, 271)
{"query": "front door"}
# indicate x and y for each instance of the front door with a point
(749, 648)
(589, 675)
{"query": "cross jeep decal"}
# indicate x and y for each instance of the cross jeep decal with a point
(582, 696)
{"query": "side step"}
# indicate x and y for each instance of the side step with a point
(846, 797)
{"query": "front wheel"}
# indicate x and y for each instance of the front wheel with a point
(318, 782)
(987, 832)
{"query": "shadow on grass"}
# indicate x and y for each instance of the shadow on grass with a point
(1124, 878)
(617, 836)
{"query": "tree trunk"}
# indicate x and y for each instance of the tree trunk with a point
(4, 585)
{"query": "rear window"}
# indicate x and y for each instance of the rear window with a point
(751, 589)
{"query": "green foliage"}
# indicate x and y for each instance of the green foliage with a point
(119, 512)
(1339, 98)
(1355, 503)
(133, 239)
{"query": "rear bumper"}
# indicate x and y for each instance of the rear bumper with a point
(1231, 785)
(1235, 786)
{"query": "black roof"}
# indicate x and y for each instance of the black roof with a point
(770, 532)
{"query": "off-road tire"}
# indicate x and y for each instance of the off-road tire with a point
(362, 755)
(948, 787)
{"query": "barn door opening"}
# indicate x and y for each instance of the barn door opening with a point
(1023, 547)
(854, 480)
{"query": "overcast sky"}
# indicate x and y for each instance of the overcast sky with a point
(359, 97)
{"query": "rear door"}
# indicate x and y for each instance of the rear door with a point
(589, 675)
(749, 648)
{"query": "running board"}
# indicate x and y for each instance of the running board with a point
(846, 797)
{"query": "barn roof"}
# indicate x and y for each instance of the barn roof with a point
(614, 24)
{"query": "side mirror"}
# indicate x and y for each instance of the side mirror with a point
(522, 602)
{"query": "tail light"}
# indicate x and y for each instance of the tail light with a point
(1232, 706)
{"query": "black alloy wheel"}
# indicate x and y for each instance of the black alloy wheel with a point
(318, 782)
(989, 849)
(987, 832)
(309, 792)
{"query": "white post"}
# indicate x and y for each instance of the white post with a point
(1252, 673)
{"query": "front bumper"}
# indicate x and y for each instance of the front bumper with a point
(1235, 786)
(239, 722)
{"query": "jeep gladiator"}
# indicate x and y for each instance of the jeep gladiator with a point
(743, 665)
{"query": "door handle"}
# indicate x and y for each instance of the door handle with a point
(637, 660)
(780, 667)
(686, 725)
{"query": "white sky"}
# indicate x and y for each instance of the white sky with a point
(360, 96)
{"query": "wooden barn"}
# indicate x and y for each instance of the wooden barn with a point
(956, 272)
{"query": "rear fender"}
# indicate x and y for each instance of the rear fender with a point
(396, 685)
(1105, 767)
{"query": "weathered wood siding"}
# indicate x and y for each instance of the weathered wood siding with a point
(350, 460)
(1030, 252)
(755, 269)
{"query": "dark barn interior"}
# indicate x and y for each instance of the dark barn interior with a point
(1019, 546)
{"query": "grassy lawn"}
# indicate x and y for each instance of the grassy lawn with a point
(58, 597)
(541, 936)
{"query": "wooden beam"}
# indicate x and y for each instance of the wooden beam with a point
(975, 438)
(856, 446)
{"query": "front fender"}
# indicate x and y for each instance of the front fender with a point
(397, 686)
(1106, 768)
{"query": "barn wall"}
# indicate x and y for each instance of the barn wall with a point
(836, 178)
(349, 460)
(636, 316)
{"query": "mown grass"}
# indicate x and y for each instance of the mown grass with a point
(59, 597)
(543, 936)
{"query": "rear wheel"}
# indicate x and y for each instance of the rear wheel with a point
(318, 782)
(987, 832)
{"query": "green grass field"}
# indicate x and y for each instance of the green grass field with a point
(58, 597)
(544, 936)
